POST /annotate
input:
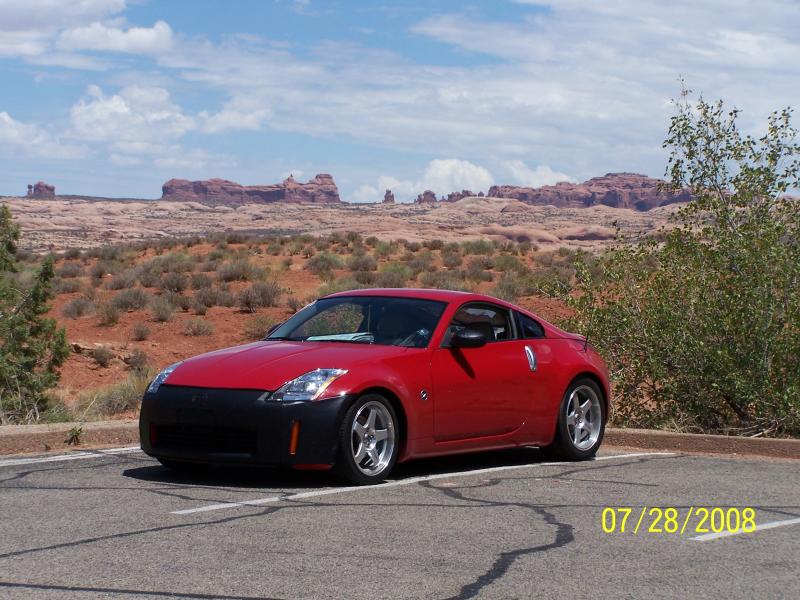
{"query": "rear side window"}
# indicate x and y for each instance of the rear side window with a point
(529, 328)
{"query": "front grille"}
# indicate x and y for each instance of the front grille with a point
(205, 438)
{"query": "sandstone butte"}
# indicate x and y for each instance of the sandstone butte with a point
(618, 190)
(319, 190)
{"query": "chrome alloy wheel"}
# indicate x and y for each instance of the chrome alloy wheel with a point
(372, 438)
(584, 417)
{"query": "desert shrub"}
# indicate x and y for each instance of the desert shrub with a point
(77, 307)
(413, 246)
(257, 327)
(294, 303)
(141, 332)
(365, 277)
(137, 360)
(323, 243)
(70, 270)
(201, 281)
(393, 275)
(197, 327)
(259, 295)
(148, 279)
(123, 280)
(72, 253)
(133, 299)
(115, 399)
(107, 315)
(478, 269)
(287, 263)
(565, 252)
(102, 356)
(65, 286)
(179, 301)
(371, 241)
(362, 262)
(702, 329)
(510, 287)
(210, 266)
(443, 280)
(477, 247)
(161, 309)
(385, 249)
(422, 261)
(434, 244)
(339, 285)
(322, 264)
(173, 282)
(199, 308)
(507, 262)
(451, 260)
(175, 262)
(525, 248)
(239, 270)
(102, 268)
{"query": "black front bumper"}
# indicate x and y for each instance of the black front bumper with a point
(238, 426)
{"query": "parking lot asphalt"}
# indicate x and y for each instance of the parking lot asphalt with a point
(494, 525)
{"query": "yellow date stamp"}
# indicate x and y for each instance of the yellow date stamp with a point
(678, 521)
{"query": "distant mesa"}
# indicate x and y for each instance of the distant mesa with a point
(388, 197)
(319, 190)
(618, 190)
(41, 191)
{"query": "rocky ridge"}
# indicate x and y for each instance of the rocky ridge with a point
(319, 190)
(617, 190)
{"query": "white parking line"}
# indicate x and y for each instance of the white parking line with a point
(10, 462)
(397, 483)
(771, 525)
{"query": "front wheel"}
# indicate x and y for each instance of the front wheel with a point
(581, 421)
(368, 441)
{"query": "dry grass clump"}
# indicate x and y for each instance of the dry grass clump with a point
(197, 327)
(77, 307)
(259, 295)
(239, 270)
(132, 299)
(107, 315)
(141, 332)
(111, 400)
(102, 356)
(257, 327)
(161, 309)
(70, 270)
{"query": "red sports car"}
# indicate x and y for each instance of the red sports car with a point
(360, 380)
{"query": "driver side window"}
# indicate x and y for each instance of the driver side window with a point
(492, 321)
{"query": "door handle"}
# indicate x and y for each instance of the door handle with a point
(531, 356)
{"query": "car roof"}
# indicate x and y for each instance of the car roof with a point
(422, 294)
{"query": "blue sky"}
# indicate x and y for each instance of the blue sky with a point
(114, 97)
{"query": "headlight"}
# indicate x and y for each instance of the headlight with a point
(307, 387)
(161, 378)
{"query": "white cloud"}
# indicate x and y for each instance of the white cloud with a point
(240, 114)
(134, 40)
(540, 175)
(34, 141)
(441, 176)
(135, 115)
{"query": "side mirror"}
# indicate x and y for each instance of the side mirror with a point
(467, 338)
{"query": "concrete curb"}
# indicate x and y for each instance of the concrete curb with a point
(651, 439)
(27, 439)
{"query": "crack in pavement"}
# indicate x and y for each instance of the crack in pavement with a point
(126, 591)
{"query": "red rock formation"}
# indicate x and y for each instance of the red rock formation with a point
(41, 191)
(321, 189)
(426, 197)
(388, 197)
(619, 190)
(456, 196)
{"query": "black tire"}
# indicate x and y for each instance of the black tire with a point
(564, 446)
(184, 468)
(346, 466)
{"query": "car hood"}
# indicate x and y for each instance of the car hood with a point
(267, 365)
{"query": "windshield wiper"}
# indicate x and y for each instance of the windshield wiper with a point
(282, 339)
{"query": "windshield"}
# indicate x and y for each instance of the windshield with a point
(382, 320)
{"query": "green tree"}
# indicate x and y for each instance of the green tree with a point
(33, 346)
(701, 323)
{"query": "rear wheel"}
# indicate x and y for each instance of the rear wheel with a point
(368, 441)
(581, 421)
